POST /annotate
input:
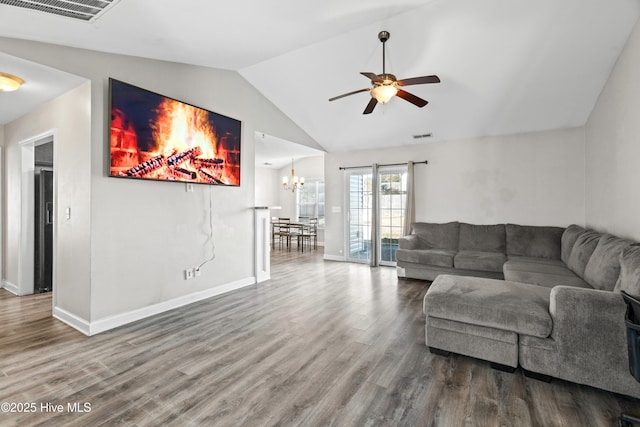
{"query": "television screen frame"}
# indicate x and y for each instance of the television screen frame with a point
(159, 138)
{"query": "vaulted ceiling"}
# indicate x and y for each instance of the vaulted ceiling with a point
(506, 66)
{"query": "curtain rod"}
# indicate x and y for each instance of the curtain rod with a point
(388, 164)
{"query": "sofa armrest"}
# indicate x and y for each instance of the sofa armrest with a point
(409, 242)
(590, 333)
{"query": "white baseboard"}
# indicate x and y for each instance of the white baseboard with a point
(334, 258)
(72, 320)
(121, 319)
(10, 287)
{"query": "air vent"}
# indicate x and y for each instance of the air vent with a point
(84, 10)
(424, 135)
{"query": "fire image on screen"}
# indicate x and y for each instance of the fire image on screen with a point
(156, 137)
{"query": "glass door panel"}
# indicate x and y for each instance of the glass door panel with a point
(393, 197)
(359, 216)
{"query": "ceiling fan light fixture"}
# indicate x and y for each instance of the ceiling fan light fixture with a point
(9, 82)
(383, 93)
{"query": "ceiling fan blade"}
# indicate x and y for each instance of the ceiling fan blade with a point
(347, 94)
(371, 76)
(418, 80)
(370, 106)
(419, 102)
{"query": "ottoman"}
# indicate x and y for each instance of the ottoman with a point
(482, 318)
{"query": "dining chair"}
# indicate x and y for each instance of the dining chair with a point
(281, 228)
(309, 233)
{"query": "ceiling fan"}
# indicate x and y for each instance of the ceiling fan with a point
(386, 86)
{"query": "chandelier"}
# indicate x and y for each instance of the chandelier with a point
(292, 183)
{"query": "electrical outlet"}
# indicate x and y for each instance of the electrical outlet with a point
(196, 272)
(188, 274)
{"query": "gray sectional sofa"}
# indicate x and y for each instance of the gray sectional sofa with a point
(553, 307)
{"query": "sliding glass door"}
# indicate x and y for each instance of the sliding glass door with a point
(391, 188)
(392, 203)
(359, 186)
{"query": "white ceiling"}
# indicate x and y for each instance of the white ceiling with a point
(506, 66)
(276, 153)
(41, 84)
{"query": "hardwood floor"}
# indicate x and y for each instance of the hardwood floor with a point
(322, 343)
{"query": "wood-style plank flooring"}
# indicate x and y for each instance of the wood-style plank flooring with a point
(322, 343)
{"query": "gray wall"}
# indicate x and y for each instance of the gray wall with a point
(140, 236)
(70, 116)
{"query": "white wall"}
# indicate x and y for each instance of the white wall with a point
(69, 115)
(613, 149)
(534, 178)
(267, 187)
(309, 168)
(144, 234)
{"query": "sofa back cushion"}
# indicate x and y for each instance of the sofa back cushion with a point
(569, 238)
(629, 280)
(583, 248)
(533, 241)
(484, 238)
(603, 267)
(437, 236)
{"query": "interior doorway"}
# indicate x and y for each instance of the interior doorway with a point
(43, 218)
(37, 219)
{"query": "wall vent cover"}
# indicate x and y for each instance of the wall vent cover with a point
(420, 136)
(84, 10)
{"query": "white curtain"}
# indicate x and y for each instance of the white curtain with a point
(375, 198)
(410, 207)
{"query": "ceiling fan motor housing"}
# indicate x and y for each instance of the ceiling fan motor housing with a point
(386, 79)
(384, 36)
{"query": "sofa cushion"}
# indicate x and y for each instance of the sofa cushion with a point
(533, 241)
(544, 275)
(583, 248)
(568, 240)
(409, 242)
(438, 236)
(629, 280)
(483, 238)
(524, 261)
(603, 267)
(478, 260)
(437, 257)
(542, 272)
(532, 264)
(509, 306)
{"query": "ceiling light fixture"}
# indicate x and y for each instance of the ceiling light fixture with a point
(9, 82)
(295, 181)
(383, 93)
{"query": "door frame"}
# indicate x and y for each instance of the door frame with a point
(26, 253)
(347, 214)
(382, 170)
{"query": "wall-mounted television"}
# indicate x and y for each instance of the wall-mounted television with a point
(160, 138)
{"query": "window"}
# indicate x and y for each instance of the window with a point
(311, 200)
